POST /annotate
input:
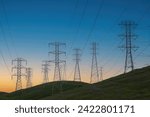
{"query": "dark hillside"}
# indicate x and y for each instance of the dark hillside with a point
(134, 85)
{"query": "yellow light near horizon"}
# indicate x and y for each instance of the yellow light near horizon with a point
(8, 85)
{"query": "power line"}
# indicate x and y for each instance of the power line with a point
(92, 28)
(111, 28)
(9, 30)
(57, 61)
(94, 68)
(119, 17)
(77, 75)
(122, 12)
(94, 24)
(45, 70)
(19, 68)
(63, 71)
(74, 10)
(80, 21)
(128, 36)
(140, 53)
(5, 63)
(101, 73)
(110, 58)
(5, 40)
(29, 77)
(144, 14)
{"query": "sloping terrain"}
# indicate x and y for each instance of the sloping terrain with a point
(2, 95)
(133, 85)
(43, 90)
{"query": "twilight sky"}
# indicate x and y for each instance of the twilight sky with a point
(27, 26)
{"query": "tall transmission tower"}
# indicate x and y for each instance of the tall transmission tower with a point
(63, 71)
(45, 70)
(101, 73)
(58, 63)
(20, 71)
(128, 36)
(29, 77)
(57, 60)
(94, 67)
(77, 75)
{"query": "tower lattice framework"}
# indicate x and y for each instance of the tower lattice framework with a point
(20, 71)
(45, 70)
(128, 36)
(77, 75)
(94, 67)
(29, 77)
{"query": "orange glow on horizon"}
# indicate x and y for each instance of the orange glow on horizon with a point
(8, 85)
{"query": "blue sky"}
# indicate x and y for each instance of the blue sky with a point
(29, 25)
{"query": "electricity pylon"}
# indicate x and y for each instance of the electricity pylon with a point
(20, 71)
(57, 61)
(63, 71)
(77, 75)
(29, 77)
(128, 36)
(94, 68)
(101, 73)
(45, 70)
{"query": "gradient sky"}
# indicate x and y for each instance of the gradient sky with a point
(27, 26)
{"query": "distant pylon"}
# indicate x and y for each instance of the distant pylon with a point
(29, 77)
(20, 71)
(94, 67)
(63, 71)
(45, 70)
(77, 75)
(101, 73)
(129, 36)
(57, 61)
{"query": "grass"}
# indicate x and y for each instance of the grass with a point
(43, 90)
(134, 85)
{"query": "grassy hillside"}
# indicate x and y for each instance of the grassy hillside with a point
(44, 90)
(133, 85)
(2, 95)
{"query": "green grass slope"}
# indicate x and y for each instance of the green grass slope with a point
(2, 95)
(133, 85)
(42, 91)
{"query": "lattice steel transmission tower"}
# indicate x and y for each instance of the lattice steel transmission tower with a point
(57, 60)
(63, 71)
(20, 71)
(128, 36)
(77, 75)
(29, 77)
(45, 70)
(94, 67)
(101, 73)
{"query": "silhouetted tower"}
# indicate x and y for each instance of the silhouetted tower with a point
(63, 71)
(20, 71)
(128, 36)
(101, 73)
(57, 61)
(77, 75)
(29, 77)
(94, 67)
(45, 70)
